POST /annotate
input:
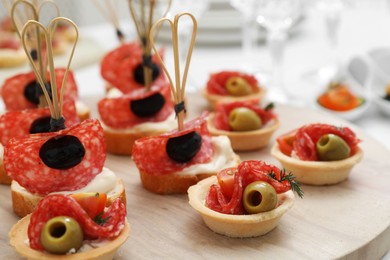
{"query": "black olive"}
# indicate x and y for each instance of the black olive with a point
(148, 106)
(40, 125)
(183, 148)
(62, 152)
(139, 73)
(33, 91)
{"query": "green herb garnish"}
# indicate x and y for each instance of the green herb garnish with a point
(295, 185)
(100, 220)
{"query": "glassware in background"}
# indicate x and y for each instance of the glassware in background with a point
(332, 10)
(248, 30)
(277, 17)
(196, 8)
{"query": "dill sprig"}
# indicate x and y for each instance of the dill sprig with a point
(100, 220)
(270, 106)
(295, 185)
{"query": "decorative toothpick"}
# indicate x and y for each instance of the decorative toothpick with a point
(57, 122)
(108, 11)
(32, 12)
(143, 25)
(178, 89)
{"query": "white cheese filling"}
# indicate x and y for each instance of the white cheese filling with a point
(104, 182)
(224, 157)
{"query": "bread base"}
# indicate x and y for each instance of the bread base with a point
(170, 183)
(121, 142)
(317, 173)
(24, 203)
(248, 140)
(237, 226)
(18, 237)
(4, 178)
(173, 183)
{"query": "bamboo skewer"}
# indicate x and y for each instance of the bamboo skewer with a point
(55, 102)
(110, 14)
(143, 26)
(32, 12)
(177, 87)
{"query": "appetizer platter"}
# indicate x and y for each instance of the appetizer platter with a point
(350, 219)
(346, 216)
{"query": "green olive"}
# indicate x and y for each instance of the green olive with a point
(60, 234)
(259, 196)
(244, 119)
(237, 86)
(331, 147)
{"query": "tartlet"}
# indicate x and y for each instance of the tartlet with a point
(239, 226)
(216, 92)
(218, 124)
(297, 153)
(102, 243)
(317, 173)
(244, 201)
(18, 237)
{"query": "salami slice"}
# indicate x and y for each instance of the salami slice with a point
(125, 117)
(63, 205)
(307, 137)
(18, 123)
(149, 153)
(14, 87)
(217, 81)
(221, 118)
(118, 67)
(23, 163)
(247, 172)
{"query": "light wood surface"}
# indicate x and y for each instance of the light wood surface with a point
(349, 220)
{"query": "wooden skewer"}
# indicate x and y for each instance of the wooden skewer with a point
(108, 11)
(178, 89)
(55, 104)
(143, 25)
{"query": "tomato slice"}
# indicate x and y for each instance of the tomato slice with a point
(286, 141)
(226, 181)
(92, 202)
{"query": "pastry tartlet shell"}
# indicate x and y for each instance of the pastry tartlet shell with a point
(237, 226)
(18, 237)
(214, 99)
(248, 140)
(318, 172)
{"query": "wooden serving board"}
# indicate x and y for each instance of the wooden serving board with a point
(349, 220)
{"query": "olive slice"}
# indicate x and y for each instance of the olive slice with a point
(139, 73)
(40, 125)
(148, 106)
(62, 152)
(183, 148)
(33, 90)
